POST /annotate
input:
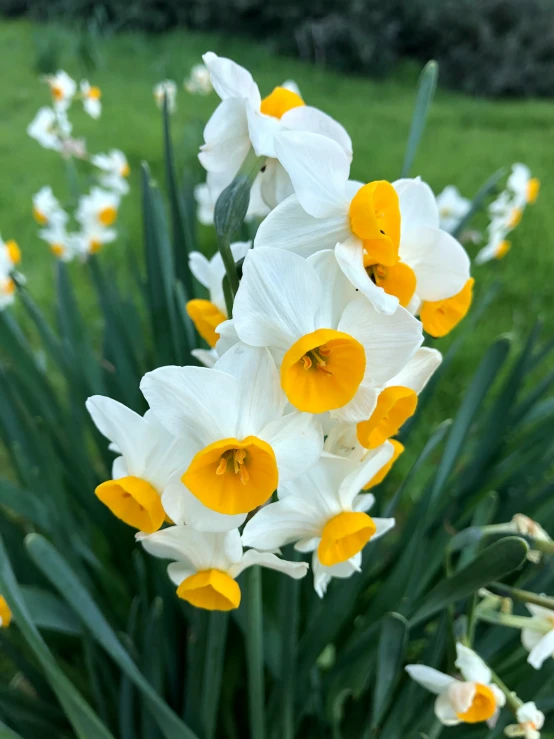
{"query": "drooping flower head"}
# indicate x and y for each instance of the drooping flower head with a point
(530, 720)
(168, 89)
(205, 564)
(322, 511)
(452, 207)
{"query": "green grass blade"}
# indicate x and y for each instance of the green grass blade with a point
(390, 655)
(426, 86)
(494, 563)
(58, 572)
(81, 716)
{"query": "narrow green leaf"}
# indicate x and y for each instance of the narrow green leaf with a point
(255, 653)
(81, 716)
(58, 572)
(49, 612)
(24, 503)
(479, 199)
(494, 563)
(390, 655)
(7, 733)
(426, 86)
(213, 671)
(289, 616)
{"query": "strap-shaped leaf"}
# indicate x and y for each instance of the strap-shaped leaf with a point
(426, 86)
(494, 563)
(56, 569)
(390, 655)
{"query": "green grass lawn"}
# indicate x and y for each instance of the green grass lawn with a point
(465, 141)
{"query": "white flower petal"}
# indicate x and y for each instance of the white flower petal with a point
(445, 711)
(382, 525)
(363, 502)
(362, 404)
(306, 118)
(542, 651)
(230, 80)
(363, 473)
(295, 570)
(262, 129)
(440, 262)
(318, 168)
(308, 544)
(349, 255)
(540, 611)
(183, 507)
(226, 139)
(277, 298)
(471, 665)
(179, 571)
(297, 440)
(418, 371)
(338, 290)
(389, 341)
(429, 678)
(417, 205)
(197, 402)
(280, 523)
(275, 184)
(530, 638)
(200, 268)
(289, 227)
(323, 575)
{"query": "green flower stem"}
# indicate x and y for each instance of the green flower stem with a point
(514, 622)
(543, 546)
(290, 593)
(524, 596)
(511, 698)
(255, 654)
(213, 671)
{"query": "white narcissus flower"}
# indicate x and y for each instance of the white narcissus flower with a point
(62, 88)
(386, 236)
(539, 640)
(47, 210)
(115, 170)
(524, 187)
(233, 413)
(65, 246)
(243, 120)
(198, 82)
(44, 129)
(452, 207)
(5, 613)
(166, 88)
(150, 456)
(10, 255)
(91, 97)
(208, 314)
(497, 246)
(530, 720)
(335, 351)
(91, 238)
(99, 207)
(322, 512)
(471, 700)
(205, 564)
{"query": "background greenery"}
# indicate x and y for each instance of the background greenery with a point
(465, 141)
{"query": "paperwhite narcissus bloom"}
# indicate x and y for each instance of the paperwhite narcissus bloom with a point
(10, 255)
(539, 641)
(208, 314)
(243, 120)
(386, 236)
(44, 129)
(498, 245)
(149, 458)
(524, 187)
(5, 613)
(115, 168)
(47, 209)
(530, 720)
(398, 401)
(63, 245)
(452, 207)
(92, 237)
(91, 96)
(62, 88)
(471, 700)
(198, 82)
(335, 351)
(99, 207)
(166, 88)
(321, 511)
(205, 565)
(234, 415)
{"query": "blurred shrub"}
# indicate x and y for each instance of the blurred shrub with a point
(485, 47)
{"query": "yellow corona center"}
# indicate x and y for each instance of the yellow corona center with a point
(107, 215)
(398, 279)
(14, 252)
(375, 219)
(232, 476)
(384, 471)
(213, 590)
(280, 101)
(134, 501)
(57, 92)
(344, 536)
(5, 613)
(441, 316)
(57, 249)
(8, 286)
(515, 217)
(394, 406)
(95, 93)
(502, 249)
(322, 370)
(206, 317)
(533, 188)
(39, 216)
(125, 170)
(482, 707)
(94, 246)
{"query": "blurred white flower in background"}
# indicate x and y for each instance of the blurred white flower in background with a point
(47, 209)
(99, 207)
(198, 82)
(539, 640)
(530, 720)
(115, 170)
(452, 207)
(91, 95)
(10, 257)
(62, 88)
(44, 129)
(166, 88)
